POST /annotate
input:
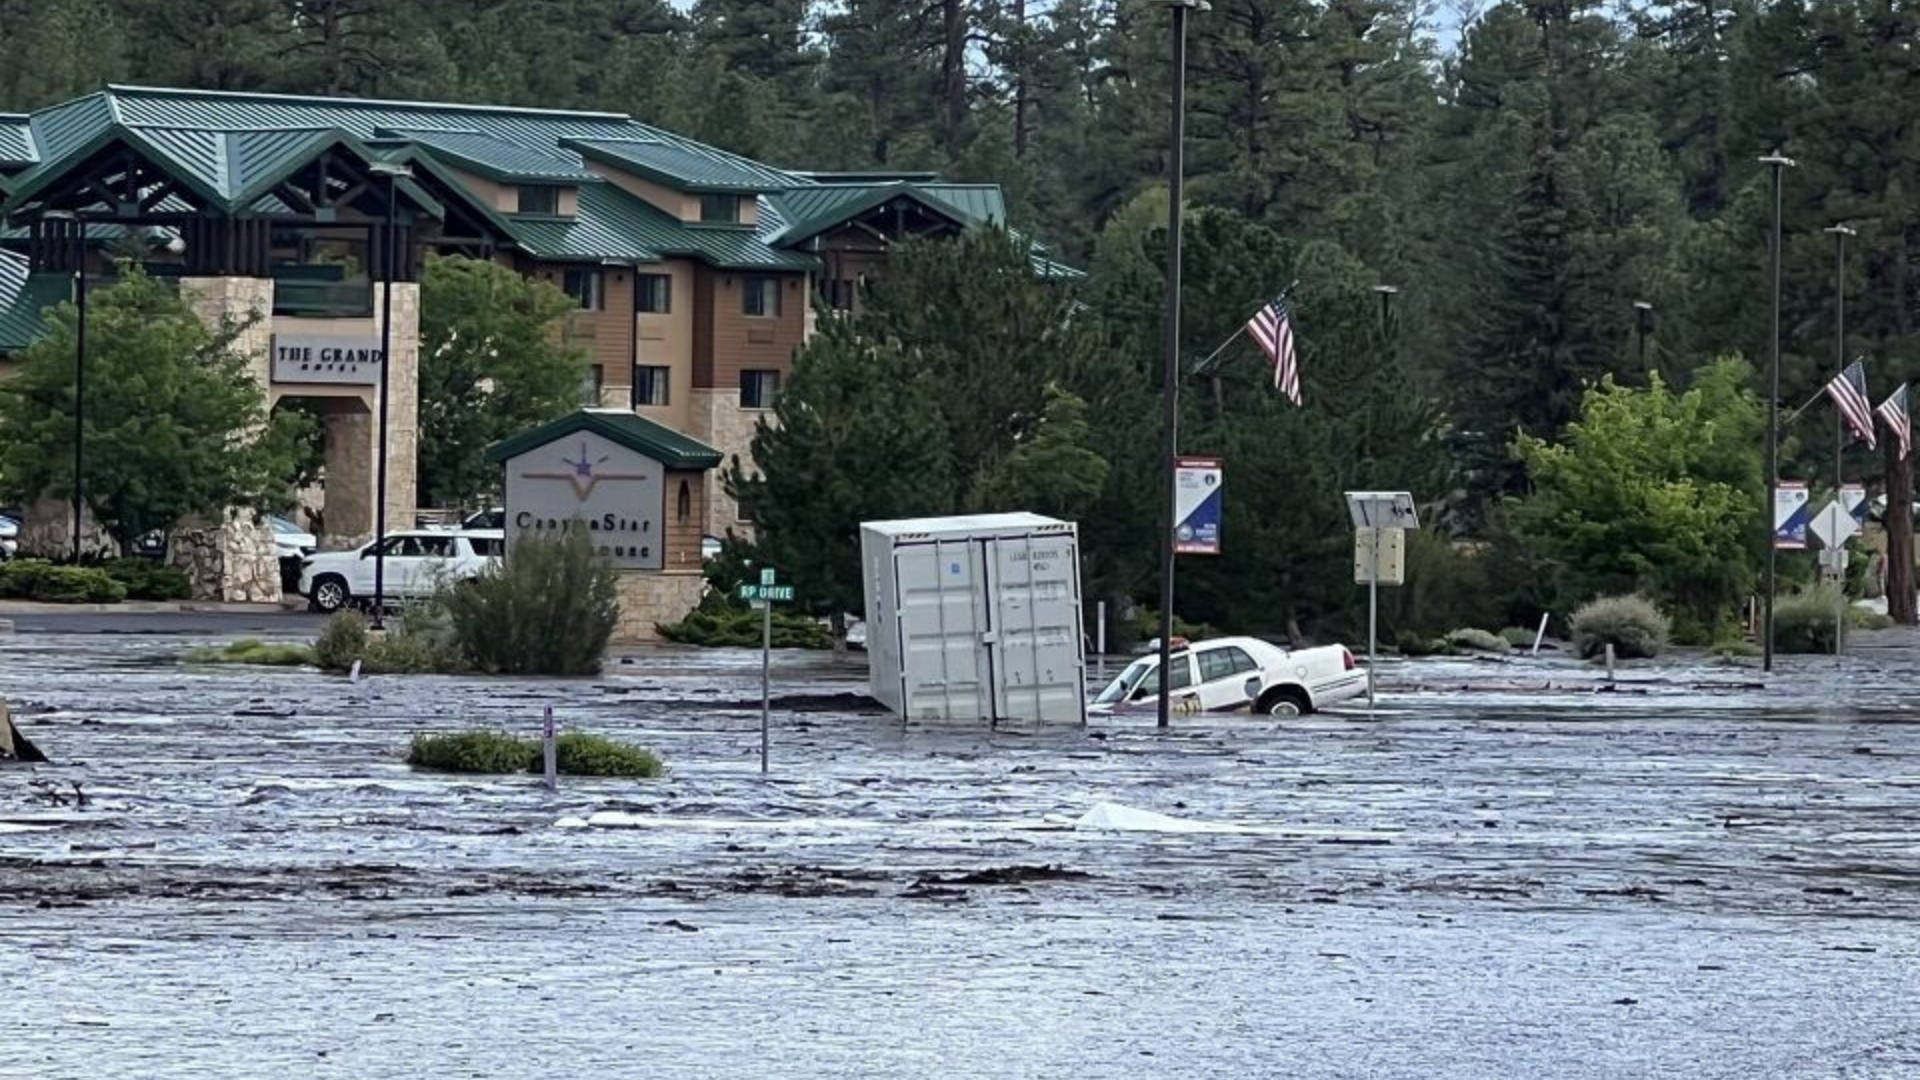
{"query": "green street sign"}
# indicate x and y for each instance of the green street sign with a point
(767, 592)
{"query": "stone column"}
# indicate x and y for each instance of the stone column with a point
(231, 557)
(403, 417)
(349, 474)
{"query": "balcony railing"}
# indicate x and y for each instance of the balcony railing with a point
(321, 292)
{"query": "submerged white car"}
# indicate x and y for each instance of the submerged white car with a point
(1234, 673)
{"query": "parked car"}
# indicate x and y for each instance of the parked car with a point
(9, 536)
(485, 519)
(1233, 673)
(417, 562)
(292, 544)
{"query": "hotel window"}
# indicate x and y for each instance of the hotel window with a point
(652, 293)
(591, 385)
(650, 384)
(542, 199)
(720, 209)
(587, 287)
(758, 388)
(760, 297)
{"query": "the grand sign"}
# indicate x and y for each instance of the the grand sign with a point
(583, 481)
(349, 359)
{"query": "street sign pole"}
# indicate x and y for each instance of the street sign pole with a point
(1373, 617)
(766, 665)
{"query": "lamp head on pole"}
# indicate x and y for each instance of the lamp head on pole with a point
(1840, 230)
(1387, 290)
(1190, 5)
(1778, 160)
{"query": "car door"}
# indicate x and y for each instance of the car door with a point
(433, 566)
(1184, 698)
(401, 560)
(1224, 673)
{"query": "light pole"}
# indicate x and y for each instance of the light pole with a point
(1170, 391)
(79, 251)
(1840, 233)
(393, 173)
(1779, 165)
(1642, 326)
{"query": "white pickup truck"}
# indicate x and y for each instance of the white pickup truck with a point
(1234, 673)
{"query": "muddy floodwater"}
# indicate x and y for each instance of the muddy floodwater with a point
(1503, 874)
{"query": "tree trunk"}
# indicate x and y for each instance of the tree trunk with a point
(953, 72)
(1899, 518)
(837, 627)
(1020, 81)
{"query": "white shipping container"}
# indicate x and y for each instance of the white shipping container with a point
(975, 618)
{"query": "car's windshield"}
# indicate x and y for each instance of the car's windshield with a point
(1117, 689)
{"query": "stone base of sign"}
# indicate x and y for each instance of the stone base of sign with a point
(233, 562)
(47, 533)
(649, 599)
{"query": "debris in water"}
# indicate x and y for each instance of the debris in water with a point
(676, 924)
(13, 745)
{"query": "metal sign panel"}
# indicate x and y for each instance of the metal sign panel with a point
(773, 593)
(584, 481)
(1196, 506)
(1854, 498)
(1382, 510)
(1833, 525)
(1393, 556)
(1792, 506)
(337, 359)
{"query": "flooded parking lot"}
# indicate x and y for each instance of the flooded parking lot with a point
(1503, 873)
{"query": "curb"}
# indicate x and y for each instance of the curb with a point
(24, 607)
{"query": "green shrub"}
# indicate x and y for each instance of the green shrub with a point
(342, 640)
(1803, 622)
(474, 752)
(50, 583)
(254, 651)
(400, 651)
(738, 626)
(1146, 624)
(1518, 636)
(1631, 624)
(1411, 643)
(549, 609)
(1478, 641)
(1735, 648)
(576, 753)
(146, 579)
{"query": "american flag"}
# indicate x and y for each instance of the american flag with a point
(1893, 412)
(1272, 329)
(1849, 392)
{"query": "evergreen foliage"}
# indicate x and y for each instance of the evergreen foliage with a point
(172, 420)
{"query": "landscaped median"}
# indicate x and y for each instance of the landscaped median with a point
(496, 753)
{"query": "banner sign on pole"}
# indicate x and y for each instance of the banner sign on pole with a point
(1854, 498)
(1196, 506)
(1792, 510)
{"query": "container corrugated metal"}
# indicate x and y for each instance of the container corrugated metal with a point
(975, 618)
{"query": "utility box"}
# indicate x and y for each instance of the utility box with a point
(975, 618)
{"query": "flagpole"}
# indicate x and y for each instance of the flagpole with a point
(1201, 368)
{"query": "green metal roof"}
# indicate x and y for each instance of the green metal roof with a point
(16, 140)
(638, 434)
(614, 225)
(24, 299)
(684, 165)
(495, 158)
(812, 211)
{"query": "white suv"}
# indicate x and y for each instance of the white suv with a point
(417, 562)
